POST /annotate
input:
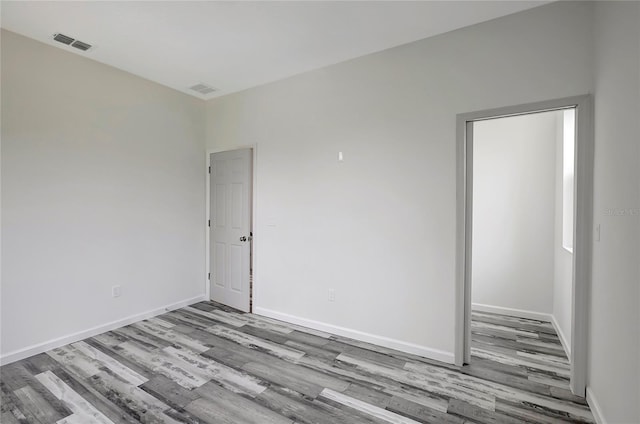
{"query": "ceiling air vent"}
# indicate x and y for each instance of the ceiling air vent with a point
(63, 39)
(203, 89)
(69, 41)
(80, 45)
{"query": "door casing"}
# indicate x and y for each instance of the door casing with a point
(583, 226)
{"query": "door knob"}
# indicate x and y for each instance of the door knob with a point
(243, 238)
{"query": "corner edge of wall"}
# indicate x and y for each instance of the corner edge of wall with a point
(596, 410)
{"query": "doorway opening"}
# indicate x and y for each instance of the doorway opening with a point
(524, 237)
(230, 228)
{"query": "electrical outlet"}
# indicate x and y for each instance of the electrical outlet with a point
(116, 291)
(332, 295)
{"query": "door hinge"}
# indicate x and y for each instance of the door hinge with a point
(209, 276)
(209, 170)
(209, 223)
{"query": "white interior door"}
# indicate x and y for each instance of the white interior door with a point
(230, 227)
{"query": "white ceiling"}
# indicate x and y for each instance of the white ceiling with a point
(236, 45)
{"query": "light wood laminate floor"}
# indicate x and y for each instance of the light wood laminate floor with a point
(210, 364)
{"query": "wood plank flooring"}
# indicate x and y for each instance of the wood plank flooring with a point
(211, 364)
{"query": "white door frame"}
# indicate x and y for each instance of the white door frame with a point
(583, 222)
(207, 261)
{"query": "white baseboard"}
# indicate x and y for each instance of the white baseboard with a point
(595, 407)
(561, 336)
(26, 352)
(522, 313)
(426, 352)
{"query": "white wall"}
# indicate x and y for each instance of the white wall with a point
(563, 259)
(514, 161)
(102, 184)
(379, 227)
(614, 349)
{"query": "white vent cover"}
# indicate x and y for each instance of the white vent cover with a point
(70, 41)
(202, 88)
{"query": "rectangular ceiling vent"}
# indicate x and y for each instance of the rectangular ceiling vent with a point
(202, 89)
(69, 41)
(63, 39)
(80, 45)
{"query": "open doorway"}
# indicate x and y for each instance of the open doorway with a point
(524, 236)
(521, 272)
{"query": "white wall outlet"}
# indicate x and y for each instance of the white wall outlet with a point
(116, 291)
(332, 295)
(340, 157)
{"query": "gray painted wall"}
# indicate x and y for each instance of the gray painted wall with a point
(614, 349)
(514, 184)
(102, 185)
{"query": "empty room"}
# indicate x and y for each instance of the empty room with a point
(320, 212)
